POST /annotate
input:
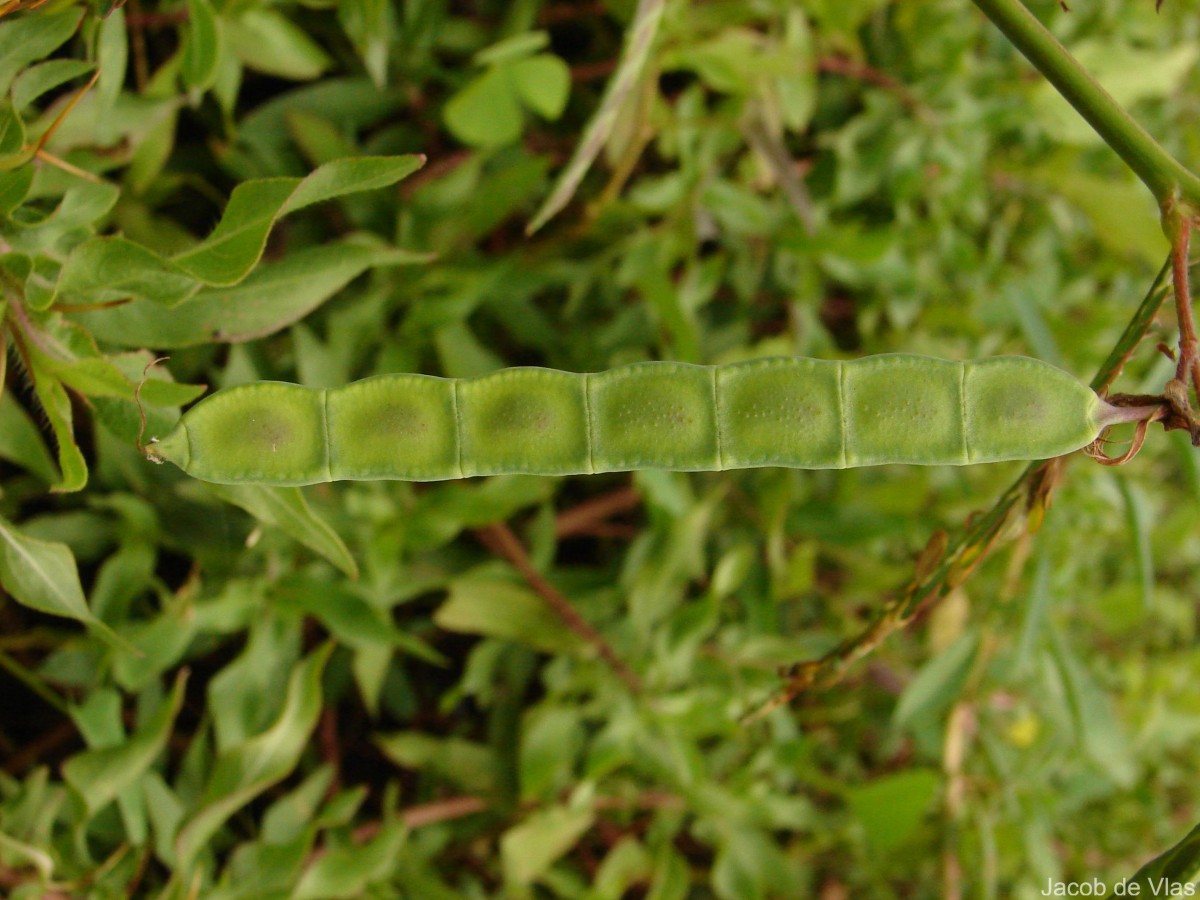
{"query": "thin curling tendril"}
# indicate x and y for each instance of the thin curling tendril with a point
(137, 398)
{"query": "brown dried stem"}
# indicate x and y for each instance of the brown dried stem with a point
(586, 517)
(500, 539)
(850, 68)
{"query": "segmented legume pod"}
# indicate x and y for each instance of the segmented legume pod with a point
(794, 412)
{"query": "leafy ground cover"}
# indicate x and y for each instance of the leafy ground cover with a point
(523, 686)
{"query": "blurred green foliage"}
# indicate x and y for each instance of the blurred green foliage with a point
(369, 689)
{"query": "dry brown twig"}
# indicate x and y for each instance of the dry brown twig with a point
(500, 539)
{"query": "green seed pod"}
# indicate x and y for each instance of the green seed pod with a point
(794, 412)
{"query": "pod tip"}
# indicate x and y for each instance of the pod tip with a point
(173, 448)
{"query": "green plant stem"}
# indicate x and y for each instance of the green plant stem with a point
(1165, 176)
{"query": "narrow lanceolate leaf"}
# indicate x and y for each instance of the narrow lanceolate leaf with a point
(269, 42)
(530, 848)
(56, 406)
(12, 137)
(287, 510)
(20, 852)
(115, 268)
(42, 575)
(1171, 872)
(45, 77)
(642, 32)
(100, 775)
(499, 608)
(270, 298)
(21, 441)
(346, 871)
(201, 46)
(249, 768)
(33, 37)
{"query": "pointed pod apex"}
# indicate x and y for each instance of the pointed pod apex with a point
(174, 448)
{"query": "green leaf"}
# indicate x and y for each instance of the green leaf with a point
(319, 139)
(1138, 518)
(201, 46)
(12, 137)
(346, 871)
(513, 48)
(350, 618)
(497, 607)
(159, 644)
(21, 852)
(29, 38)
(485, 113)
(1122, 210)
(939, 681)
(164, 811)
(57, 406)
(1100, 733)
(890, 808)
(112, 56)
(287, 510)
(14, 188)
(243, 772)
(270, 299)
(98, 776)
(471, 766)
(1129, 74)
(21, 442)
(92, 375)
(543, 83)
(1169, 873)
(37, 80)
(42, 575)
(293, 813)
(116, 268)
(369, 25)
(268, 42)
(235, 245)
(263, 137)
(241, 695)
(729, 62)
(529, 849)
(750, 865)
(158, 389)
(351, 175)
(550, 745)
(82, 203)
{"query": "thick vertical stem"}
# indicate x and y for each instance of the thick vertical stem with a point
(1180, 228)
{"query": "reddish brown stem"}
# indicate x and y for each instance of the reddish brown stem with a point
(585, 517)
(840, 65)
(137, 37)
(1188, 368)
(331, 747)
(551, 15)
(156, 19)
(592, 71)
(499, 538)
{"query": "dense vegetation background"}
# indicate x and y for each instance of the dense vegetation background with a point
(378, 689)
